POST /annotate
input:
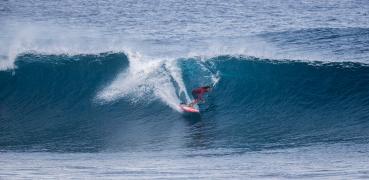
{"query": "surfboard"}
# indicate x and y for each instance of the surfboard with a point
(189, 109)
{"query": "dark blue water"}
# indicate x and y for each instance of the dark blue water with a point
(92, 89)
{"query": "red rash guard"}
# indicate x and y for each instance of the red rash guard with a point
(200, 92)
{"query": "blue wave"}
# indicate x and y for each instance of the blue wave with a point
(47, 103)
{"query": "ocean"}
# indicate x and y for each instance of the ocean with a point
(90, 89)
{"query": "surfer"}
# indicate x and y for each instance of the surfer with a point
(198, 93)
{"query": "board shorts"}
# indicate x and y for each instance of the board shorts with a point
(195, 95)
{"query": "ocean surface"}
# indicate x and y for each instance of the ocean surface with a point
(90, 89)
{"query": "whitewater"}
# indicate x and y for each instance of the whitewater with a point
(91, 89)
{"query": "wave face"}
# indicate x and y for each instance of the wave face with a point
(110, 101)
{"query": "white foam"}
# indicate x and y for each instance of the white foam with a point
(20, 38)
(146, 79)
(45, 38)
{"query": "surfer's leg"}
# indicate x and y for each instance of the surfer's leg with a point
(195, 96)
(193, 102)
